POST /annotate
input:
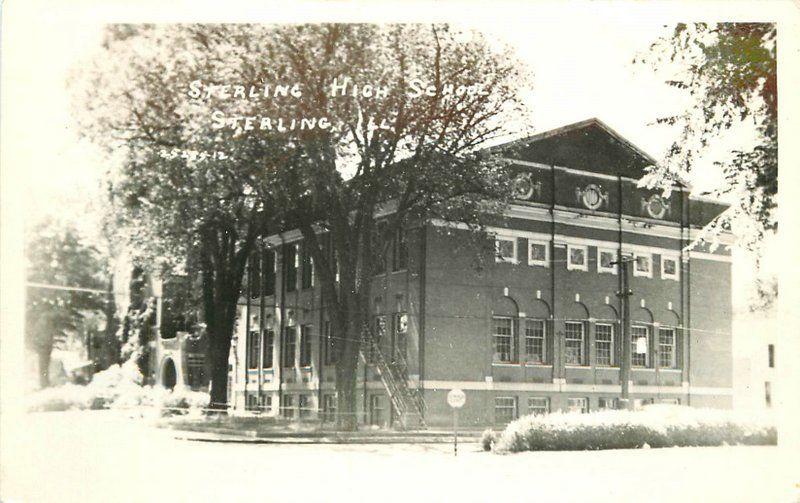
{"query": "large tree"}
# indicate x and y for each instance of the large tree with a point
(387, 118)
(62, 272)
(729, 72)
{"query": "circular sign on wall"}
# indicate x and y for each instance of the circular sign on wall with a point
(592, 197)
(656, 206)
(456, 398)
(523, 187)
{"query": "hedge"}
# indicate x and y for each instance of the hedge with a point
(653, 426)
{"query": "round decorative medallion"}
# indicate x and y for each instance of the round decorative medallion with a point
(656, 207)
(592, 197)
(523, 187)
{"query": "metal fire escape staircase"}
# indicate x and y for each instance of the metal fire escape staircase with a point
(407, 400)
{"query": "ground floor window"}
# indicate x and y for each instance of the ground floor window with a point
(266, 403)
(288, 406)
(604, 403)
(376, 410)
(573, 343)
(538, 405)
(505, 409)
(304, 404)
(671, 401)
(329, 407)
(768, 393)
(578, 405)
(252, 401)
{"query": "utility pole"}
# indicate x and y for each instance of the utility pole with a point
(625, 365)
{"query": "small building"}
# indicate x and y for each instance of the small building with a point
(538, 329)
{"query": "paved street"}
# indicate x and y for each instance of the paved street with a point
(97, 456)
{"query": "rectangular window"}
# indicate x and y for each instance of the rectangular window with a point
(253, 349)
(330, 344)
(400, 251)
(505, 249)
(604, 403)
(304, 406)
(538, 405)
(379, 248)
(577, 259)
(268, 270)
(606, 261)
(505, 409)
(289, 344)
(538, 253)
(666, 347)
(639, 339)
(401, 336)
(670, 401)
(305, 345)
(254, 275)
(503, 339)
(269, 343)
(378, 335)
(643, 265)
(669, 267)
(266, 404)
(307, 272)
(578, 405)
(291, 259)
(771, 355)
(329, 407)
(288, 406)
(604, 344)
(573, 343)
(534, 341)
(376, 410)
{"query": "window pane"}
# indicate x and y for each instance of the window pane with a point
(503, 339)
(505, 249)
(638, 359)
(534, 340)
(666, 347)
(538, 252)
(573, 337)
(577, 256)
(606, 259)
(604, 344)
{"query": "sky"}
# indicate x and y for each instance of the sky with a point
(581, 61)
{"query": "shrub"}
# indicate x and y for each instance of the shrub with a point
(488, 439)
(654, 426)
(118, 387)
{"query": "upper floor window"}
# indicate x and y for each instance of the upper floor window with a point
(292, 264)
(253, 349)
(330, 344)
(606, 261)
(289, 345)
(505, 249)
(577, 258)
(604, 344)
(305, 345)
(643, 265)
(771, 355)
(666, 347)
(639, 353)
(573, 343)
(669, 267)
(400, 251)
(268, 270)
(503, 339)
(307, 279)
(538, 253)
(401, 336)
(269, 342)
(534, 340)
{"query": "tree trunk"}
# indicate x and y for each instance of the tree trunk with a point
(44, 366)
(346, 368)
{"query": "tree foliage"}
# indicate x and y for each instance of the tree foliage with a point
(58, 257)
(203, 178)
(729, 71)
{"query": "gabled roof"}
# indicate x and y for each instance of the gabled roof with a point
(589, 145)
